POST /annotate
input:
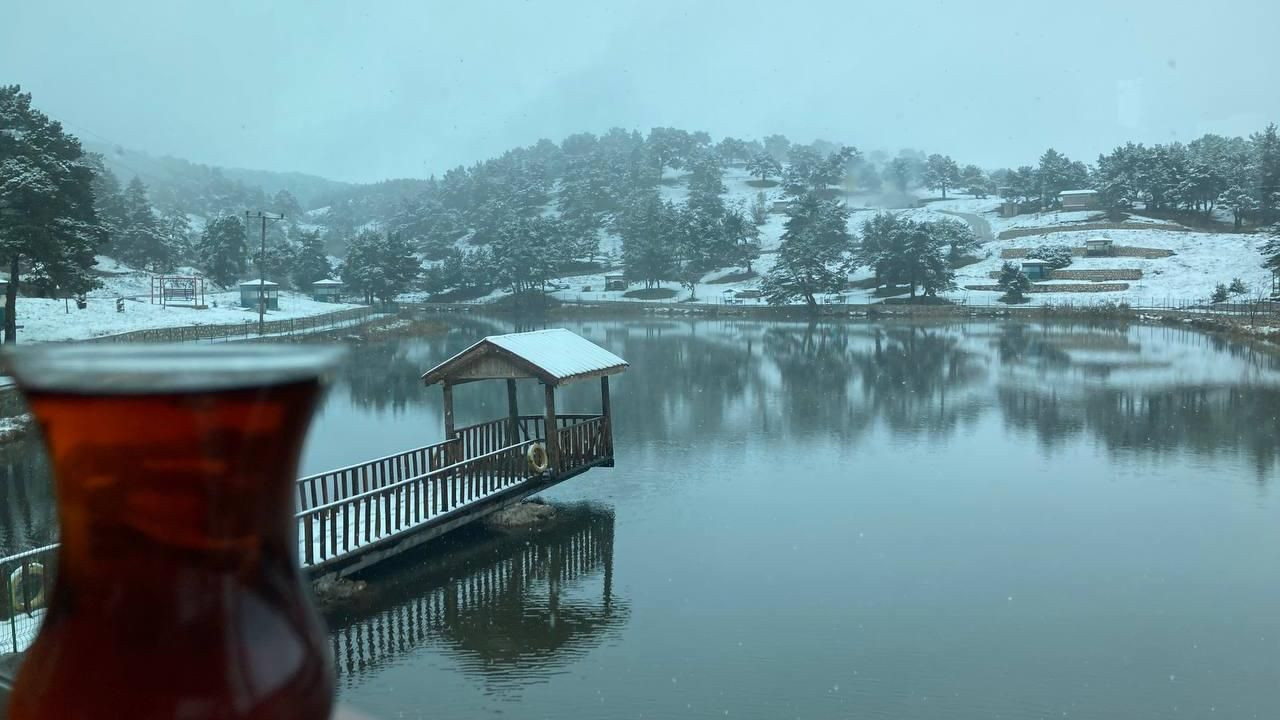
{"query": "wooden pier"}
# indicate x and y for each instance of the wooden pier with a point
(356, 516)
(353, 517)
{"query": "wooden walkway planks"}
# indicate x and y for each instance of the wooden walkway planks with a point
(350, 511)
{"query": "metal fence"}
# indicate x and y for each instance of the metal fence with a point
(243, 331)
(27, 580)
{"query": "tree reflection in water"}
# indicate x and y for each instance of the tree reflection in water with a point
(786, 381)
(509, 608)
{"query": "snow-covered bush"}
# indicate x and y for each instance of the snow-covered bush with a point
(1058, 256)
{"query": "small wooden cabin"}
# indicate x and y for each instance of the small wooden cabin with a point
(1036, 269)
(615, 281)
(267, 290)
(1078, 199)
(1098, 247)
(327, 290)
(572, 442)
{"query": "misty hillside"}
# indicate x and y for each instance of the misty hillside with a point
(199, 189)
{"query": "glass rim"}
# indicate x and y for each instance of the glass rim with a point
(165, 368)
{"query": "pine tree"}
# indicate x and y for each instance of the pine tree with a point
(899, 172)
(958, 238)
(380, 266)
(974, 181)
(1056, 173)
(732, 150)
(1271, 253)
(1014, 283)
(648, 251)
(1240, 202)
(705, 184)
(778, 147)
(763, 165)
(941, 172)
(175, 227)
(47, 215)
(310, 263)
(760, 209)
(814, 254)
(222, 250)
(1266, 148)
(142, 243)
(108, 202)
(284, 203)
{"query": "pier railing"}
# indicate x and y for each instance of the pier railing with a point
(583, 443)
(345, 511)
(495, 434)
(26, 580)
(349, 509)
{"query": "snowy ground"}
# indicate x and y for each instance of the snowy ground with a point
(45, 320)
(1201, 260)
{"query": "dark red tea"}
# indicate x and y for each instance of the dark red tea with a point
(178, 592)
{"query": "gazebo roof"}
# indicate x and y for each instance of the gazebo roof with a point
(259, 283)
(327, 282)
(553, 356)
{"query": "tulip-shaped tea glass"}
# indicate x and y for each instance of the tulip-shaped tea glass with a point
(178, 592)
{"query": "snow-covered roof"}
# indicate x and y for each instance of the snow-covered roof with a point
(1077, 192)
(553, 356)
(1035, 262)
(327, 282)
(257, 283)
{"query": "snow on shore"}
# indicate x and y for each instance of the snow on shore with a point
(50, 320)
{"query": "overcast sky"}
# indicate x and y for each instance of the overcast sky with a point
(363, 91)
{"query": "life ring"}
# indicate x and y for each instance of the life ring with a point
(33, 570)
(537, 456)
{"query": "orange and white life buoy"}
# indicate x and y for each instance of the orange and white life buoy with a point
(537, 456)
(34, 573)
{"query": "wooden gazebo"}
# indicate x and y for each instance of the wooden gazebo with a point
(573, 442)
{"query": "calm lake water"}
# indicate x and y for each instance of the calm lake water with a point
(839, 520)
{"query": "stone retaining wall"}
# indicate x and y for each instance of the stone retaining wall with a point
(1116, 251)
(1027, 232)
(1089, 275)
(1081, 288)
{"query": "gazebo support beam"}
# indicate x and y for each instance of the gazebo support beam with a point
(447, 388)
(553, 436)
(513, 412)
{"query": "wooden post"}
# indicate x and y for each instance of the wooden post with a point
(553, 434)
(606, 444)
(604, 396)
(448, 421)
(513, 429)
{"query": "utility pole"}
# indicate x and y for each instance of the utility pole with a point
(262, 261)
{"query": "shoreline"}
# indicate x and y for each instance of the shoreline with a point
(1265, 325)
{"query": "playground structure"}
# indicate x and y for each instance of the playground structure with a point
(187, 290)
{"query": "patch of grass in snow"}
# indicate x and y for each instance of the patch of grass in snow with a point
(651, 294)
(459, 295)
(761, 183)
